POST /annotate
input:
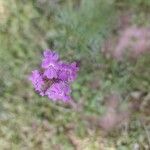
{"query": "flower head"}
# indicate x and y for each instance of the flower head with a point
(51, 55)
(55, 78)
(59, 91)
(37, 81)
(50, 64)
(68, 72)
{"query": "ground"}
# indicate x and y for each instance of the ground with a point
(111, 94)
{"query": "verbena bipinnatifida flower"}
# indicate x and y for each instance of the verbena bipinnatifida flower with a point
(55, 77)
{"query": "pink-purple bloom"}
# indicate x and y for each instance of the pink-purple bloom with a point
(55, 78)
(68, 72)
(50, 64)
(60, 90)
(37, 81)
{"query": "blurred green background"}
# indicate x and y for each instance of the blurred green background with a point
(86, 31)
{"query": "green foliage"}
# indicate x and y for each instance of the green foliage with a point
(82, 29)
(145, 3)
(140, 74)
(135, 3)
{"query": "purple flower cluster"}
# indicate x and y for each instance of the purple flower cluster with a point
(54, 77)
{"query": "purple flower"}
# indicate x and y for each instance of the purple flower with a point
(59, 91)
(51, 54)
(50, 64)
(55, 78)
(68, 72)
(37, 81)
(51, 72)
